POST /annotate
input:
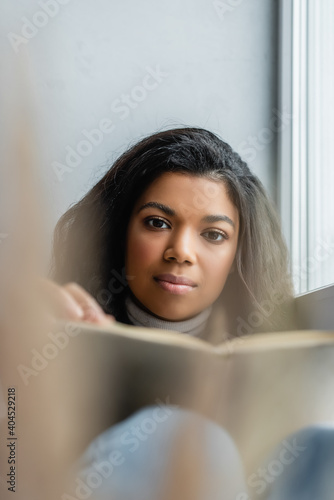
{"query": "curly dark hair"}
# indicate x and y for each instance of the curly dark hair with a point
(90, 238)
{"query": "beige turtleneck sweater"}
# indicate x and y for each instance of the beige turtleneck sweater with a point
(194, 326)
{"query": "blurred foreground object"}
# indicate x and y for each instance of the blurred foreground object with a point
(259, 388)
(36, 420)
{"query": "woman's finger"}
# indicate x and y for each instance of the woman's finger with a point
(71, 302)
(92, 311)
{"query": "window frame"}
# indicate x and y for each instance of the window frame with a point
(293, 160)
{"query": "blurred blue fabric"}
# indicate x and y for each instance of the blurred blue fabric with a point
(131, 460)
(310, 476)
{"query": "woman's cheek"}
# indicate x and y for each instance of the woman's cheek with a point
(217, 268)
(147, 250)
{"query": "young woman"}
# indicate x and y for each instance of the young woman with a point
(178, 234)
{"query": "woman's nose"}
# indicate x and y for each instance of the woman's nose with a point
(181, 248)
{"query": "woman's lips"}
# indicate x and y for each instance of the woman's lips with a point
(178, 285)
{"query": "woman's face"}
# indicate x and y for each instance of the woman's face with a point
(183, 228)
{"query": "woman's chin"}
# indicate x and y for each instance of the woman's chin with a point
(166, 313)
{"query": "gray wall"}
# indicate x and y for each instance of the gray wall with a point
(217, 66)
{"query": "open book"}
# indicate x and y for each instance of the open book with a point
(259, 388)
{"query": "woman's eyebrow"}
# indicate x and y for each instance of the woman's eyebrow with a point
(169, 211)
(160, 206)
(217, 218)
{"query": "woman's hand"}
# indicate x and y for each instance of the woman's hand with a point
(73, 302)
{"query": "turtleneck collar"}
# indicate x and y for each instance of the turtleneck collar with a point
(139, 317)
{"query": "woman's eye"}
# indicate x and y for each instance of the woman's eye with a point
(156, 223)
(215, 236)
